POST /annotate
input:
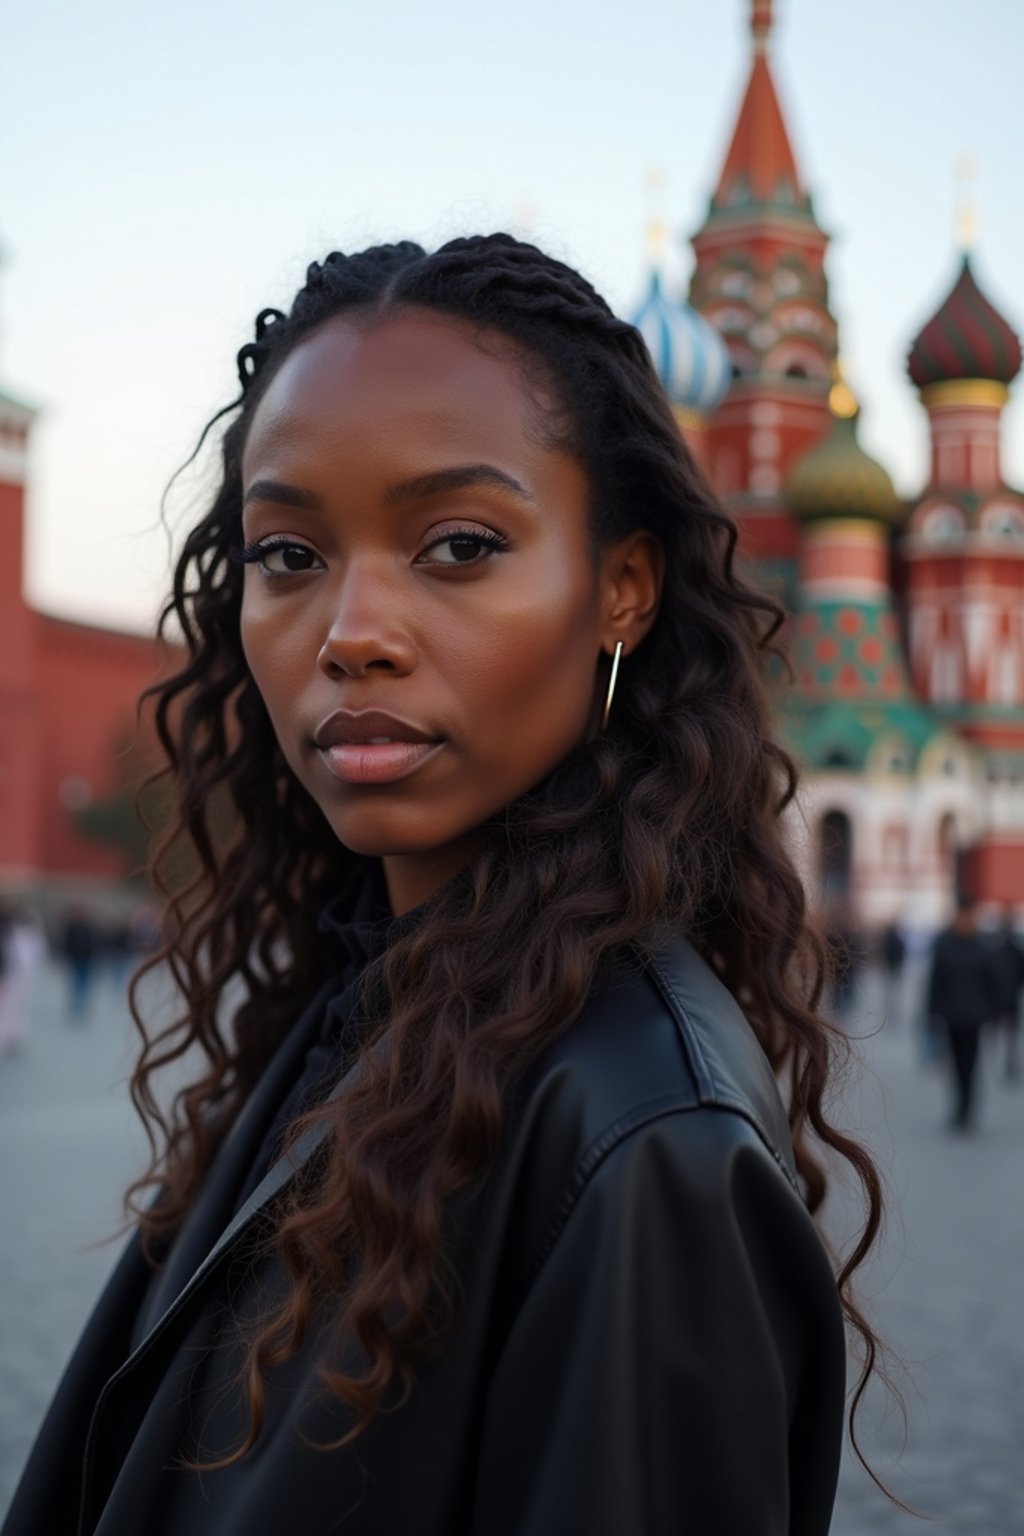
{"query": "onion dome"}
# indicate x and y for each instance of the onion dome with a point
(837, 478)
(690, 356)
(967, 338)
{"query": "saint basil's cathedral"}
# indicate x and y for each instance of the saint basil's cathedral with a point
(906, 636)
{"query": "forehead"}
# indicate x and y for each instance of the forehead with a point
(413, 380)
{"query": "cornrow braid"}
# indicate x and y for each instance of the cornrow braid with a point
(479, 277)
(542, 284)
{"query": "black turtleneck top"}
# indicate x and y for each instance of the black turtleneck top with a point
(361, 928)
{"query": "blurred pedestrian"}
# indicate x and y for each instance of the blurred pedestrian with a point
(22, 945)
(963, 996)
(5, 949)
(118, 945)
(892, 954)
(1007, 957)
(78, 945)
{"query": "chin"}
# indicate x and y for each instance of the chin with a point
(378, 831)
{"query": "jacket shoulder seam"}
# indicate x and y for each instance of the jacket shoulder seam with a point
(707, 1087)
(711, 1090)
(613, 1136)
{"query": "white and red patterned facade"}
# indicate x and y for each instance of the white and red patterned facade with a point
(957, 603)
(963, 553)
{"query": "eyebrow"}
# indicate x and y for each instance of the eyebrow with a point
(436, 483)
(458, 478)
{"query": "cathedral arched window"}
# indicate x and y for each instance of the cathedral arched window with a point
(1004, 520)
(838, 757)
(794, 353)
(736, 284)
(894, 845)
(941, 525)
(946, 673)
(729, 318)
(947, 835)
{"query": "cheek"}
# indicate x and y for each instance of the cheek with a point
(531, 668)
(277, 654)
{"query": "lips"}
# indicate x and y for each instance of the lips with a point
(373, 747)
(353, 728)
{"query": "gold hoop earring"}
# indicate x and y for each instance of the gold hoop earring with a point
(611, 684)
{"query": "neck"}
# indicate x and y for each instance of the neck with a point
(412, 878)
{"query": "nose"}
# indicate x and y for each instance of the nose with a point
(365, 632)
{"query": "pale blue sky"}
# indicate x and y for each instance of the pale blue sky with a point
(169, 170)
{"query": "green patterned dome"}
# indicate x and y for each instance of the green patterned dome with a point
(838, 479)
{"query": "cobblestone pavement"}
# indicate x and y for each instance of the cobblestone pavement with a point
(945, 1290)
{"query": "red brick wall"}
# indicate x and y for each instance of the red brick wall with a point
(88, 683)
(18, 694)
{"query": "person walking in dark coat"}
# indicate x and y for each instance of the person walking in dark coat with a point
(962, 997)
(78, 945)
(892, 952)
(1007, 959)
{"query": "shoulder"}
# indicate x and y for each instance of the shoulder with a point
(662, 1036)
(662, 1058)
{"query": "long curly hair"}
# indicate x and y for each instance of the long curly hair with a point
(671, 821)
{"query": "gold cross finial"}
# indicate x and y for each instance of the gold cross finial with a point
(965, 171)
(657, 229)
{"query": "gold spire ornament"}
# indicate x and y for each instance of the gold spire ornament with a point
(842, 401)
(965, 172)
(657, 229)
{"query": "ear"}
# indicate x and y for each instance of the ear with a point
(632, 577)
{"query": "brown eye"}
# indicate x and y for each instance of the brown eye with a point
(465, 547)
(288, 558)
(279, 557)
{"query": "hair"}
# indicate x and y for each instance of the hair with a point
(672, 820)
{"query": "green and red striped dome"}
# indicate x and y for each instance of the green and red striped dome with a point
(965, 339)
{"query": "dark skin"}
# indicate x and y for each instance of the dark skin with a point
(476, 610)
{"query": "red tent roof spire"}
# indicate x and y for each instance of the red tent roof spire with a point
(760, 23)
(760, 166)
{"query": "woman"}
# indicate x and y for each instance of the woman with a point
(485, 1214)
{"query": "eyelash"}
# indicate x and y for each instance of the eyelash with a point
(255, 552)
(495, 543)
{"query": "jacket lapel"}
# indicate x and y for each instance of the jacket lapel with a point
(202, 1250)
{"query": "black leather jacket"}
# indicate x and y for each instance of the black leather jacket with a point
(650, 1342)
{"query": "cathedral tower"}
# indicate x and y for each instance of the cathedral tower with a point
(889, 794)
(760, 279)
(963, 551)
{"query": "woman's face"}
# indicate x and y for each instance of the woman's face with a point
(427, 617)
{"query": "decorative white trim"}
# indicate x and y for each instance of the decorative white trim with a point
(12, 414)
(973, 542)
(13, 464)
(836, 588)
